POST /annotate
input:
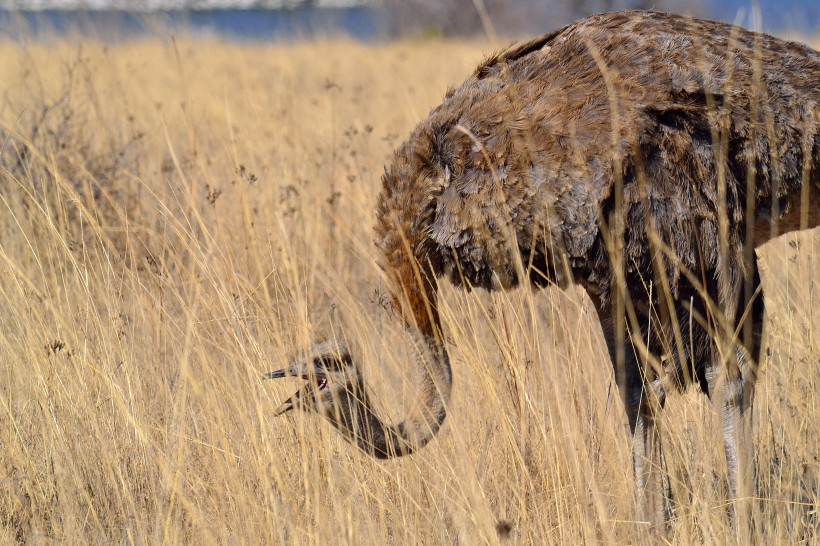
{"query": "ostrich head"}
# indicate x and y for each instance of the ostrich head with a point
(335, 390)
(330, 374)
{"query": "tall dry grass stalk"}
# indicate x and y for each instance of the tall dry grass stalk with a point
(178, 217)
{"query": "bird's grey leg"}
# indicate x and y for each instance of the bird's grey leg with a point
(643, 397)
(731, 378)
(731, 387)
(643, 403)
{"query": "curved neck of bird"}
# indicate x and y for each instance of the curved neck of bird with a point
(354, 415)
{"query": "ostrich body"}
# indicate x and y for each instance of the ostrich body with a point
(642, 155)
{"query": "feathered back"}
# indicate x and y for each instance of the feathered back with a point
(519, 164)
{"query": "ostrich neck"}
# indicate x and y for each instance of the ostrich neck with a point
(412, 285)
(354, 417)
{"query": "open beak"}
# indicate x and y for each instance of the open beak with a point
(306, 393)
(288, 404)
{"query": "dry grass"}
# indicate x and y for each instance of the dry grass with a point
(175, 219)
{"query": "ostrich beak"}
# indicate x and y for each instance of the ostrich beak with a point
(288, 404)
(308, 393)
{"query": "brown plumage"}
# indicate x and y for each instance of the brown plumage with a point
(643, 155)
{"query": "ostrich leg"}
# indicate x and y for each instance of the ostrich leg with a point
(643, 400)
(732, 391)
(731, 387)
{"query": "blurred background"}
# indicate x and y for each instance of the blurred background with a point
(368, 20)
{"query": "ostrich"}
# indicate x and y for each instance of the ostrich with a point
(639, 154)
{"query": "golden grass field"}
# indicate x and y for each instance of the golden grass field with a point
(177, 217)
